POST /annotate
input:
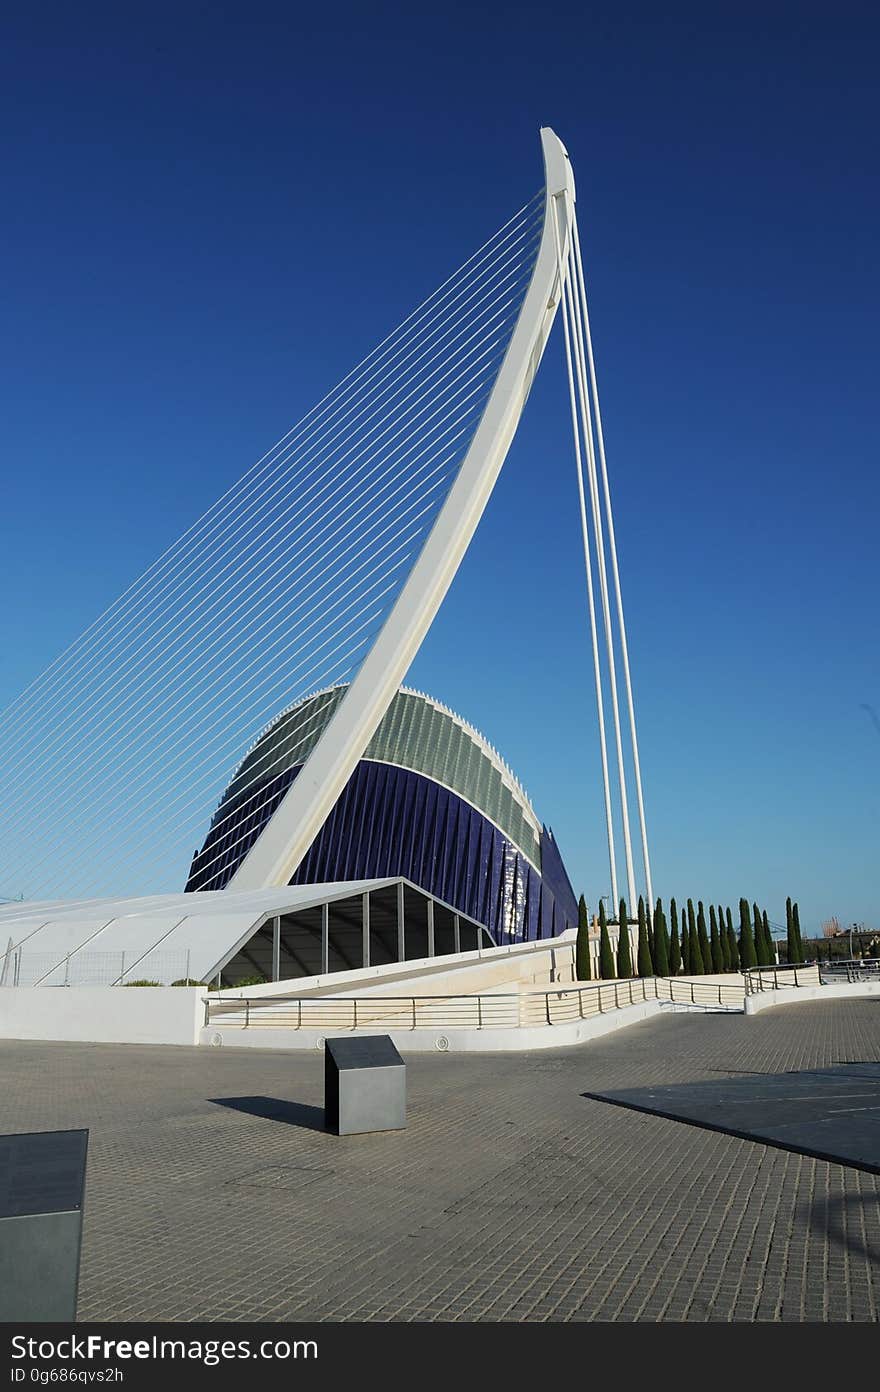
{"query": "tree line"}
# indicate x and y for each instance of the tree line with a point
(685, 944)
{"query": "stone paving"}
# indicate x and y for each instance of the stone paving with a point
(214, 1193)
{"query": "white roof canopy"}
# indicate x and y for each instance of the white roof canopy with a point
(164, 936)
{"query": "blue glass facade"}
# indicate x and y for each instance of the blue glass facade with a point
(392, 820)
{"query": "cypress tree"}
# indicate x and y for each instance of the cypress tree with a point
(674, 944)
(695, 956)
(768, 940)
(705, 953)
(651, 942)
(674, 953)
(661, 941)
(582, 946)
(685, 943)
(796, 923)
(606, 956)
(732, 946)
(758, 933)
(624, 955)
(747, 954)
(717, 950)
(644, 962)
(725, 945)
(698, 966)
(791, 952)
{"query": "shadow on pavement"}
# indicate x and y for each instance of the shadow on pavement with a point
(828, 1113)
(276, 1109)
(841, 1220)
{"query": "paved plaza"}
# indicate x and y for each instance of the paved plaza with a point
(214, 1193)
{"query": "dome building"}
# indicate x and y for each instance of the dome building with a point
(430, 801)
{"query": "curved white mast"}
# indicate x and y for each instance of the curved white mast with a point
(278, 851)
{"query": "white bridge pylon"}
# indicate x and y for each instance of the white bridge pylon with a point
(325, 564)
(557, 273)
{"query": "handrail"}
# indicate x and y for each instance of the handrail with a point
(850, 969)
(569, 1001)
(797, 974)
(548, 1006)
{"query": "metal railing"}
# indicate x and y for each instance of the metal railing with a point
(560, 1005)
(18, 967)
(365, 1012)
(779, 978)
(850, 969)
(568, 1003)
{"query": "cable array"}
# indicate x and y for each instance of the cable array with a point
(589, 450)
(114, 758)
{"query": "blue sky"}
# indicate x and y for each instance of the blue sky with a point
(212, 211)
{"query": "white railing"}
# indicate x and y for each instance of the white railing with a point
(560, 1005)
(22, 968)
(778, 978)
(365, 1012)
(849, 969)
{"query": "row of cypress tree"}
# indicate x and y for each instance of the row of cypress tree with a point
(689, 948)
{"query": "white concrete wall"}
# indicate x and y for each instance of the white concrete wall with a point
(103, 1014)
(550, 960)
(795, 995)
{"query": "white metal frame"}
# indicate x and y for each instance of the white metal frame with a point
(278, 851)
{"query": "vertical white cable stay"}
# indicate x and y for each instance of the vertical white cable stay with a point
(587, 423)
(580, 363)
(609, 819)
(614, 566)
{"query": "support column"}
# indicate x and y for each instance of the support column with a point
(365, 928)
(431, 951)
(325, 939)
(276, 948)
(401, 928)
(456, 933)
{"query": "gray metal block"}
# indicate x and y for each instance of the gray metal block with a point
(364, 1085)
(42, 1176)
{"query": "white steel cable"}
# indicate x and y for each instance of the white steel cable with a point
(606, 785)
(130, 692)
(233, 796)
(133, 854)
(338, 663)
(215, 576)
(244, 620)
(166, 748)
(104, 692)
(283, 458)
(614, 567)
(214, 579)
(225, 713)
(338, 667)
(286, 620)
(375, 355)
(403, 429)
(603, 582)
(169, 745)
(217, 723)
